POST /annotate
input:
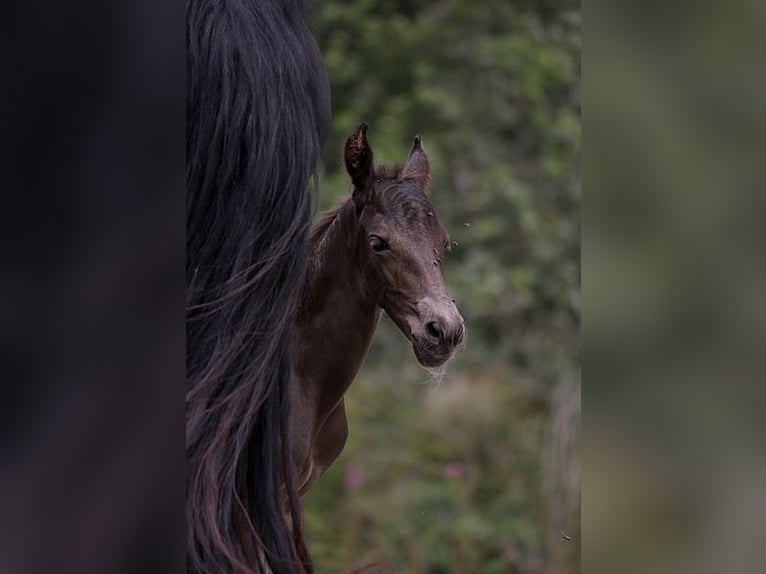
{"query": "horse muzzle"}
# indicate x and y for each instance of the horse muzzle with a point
(438, 342)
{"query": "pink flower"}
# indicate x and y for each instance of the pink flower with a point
(354, 479)
(454, 470)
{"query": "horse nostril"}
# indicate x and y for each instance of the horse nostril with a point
(434, 330)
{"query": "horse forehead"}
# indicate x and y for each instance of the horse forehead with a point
(417, 223)
(407, 204)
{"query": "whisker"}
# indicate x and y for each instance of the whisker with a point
(435, 375)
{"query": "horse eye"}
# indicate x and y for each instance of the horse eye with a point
(378, 244)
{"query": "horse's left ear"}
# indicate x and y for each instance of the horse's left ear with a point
(416, 168)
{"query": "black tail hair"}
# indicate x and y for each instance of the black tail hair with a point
(257, 116)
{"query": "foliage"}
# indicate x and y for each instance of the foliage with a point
(478, 474)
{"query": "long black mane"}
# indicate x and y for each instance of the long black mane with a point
(257, 116)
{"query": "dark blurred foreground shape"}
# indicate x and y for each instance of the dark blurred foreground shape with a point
(91, 288)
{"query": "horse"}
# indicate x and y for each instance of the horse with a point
(380, 250)
(258, 114)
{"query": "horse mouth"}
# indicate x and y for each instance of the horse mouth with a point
(430, 355)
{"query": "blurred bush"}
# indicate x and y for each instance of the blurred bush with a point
(481, 473)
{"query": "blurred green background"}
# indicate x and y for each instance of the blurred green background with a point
(478, 473)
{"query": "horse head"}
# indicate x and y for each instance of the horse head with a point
(404, 248)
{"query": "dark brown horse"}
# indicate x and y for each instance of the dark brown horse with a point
(379, 250)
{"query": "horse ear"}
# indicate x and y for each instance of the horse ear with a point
(416, 168)
(358, 156)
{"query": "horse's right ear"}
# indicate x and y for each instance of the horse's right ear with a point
(358, 156)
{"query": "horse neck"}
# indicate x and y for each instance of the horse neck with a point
(339, 310)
